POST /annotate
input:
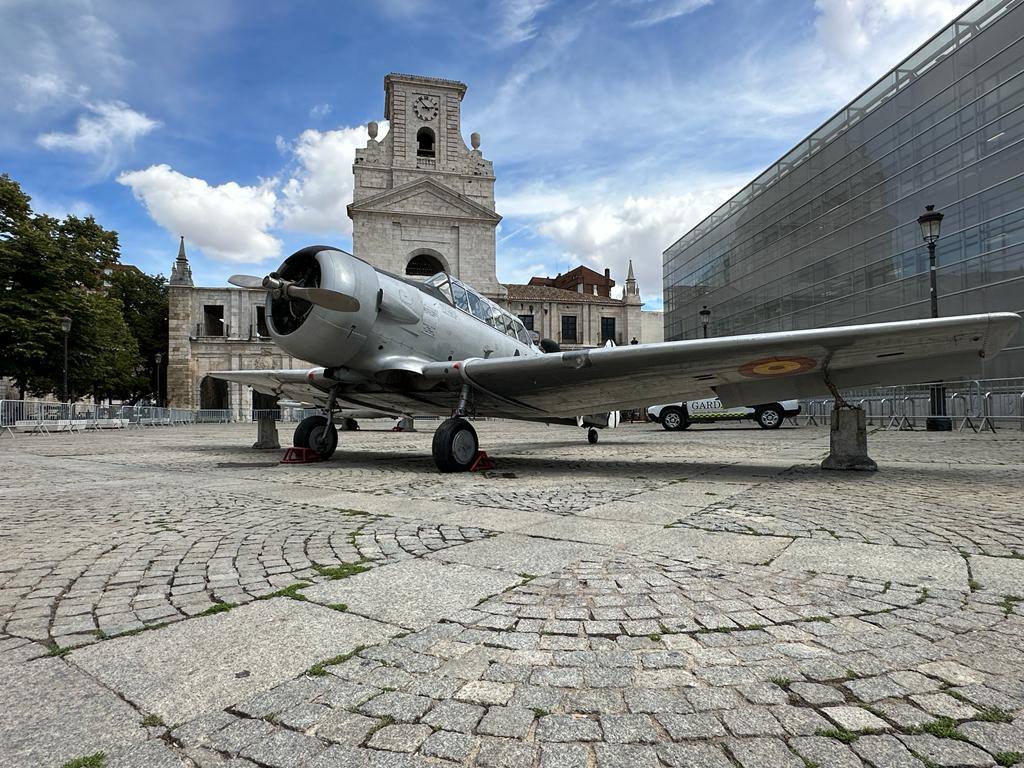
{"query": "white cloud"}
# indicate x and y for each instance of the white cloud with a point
(109, 129)
(229, 222)
(657, 11)
(314, 199)
(320, 110)
(518, 19)
(608, 232)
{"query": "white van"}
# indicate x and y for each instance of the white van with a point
(674, 416)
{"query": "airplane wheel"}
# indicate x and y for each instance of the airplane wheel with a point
(318, 433)
(769, 418)
(455, 445)
(592, 436)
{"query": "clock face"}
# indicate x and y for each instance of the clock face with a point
(425, 107)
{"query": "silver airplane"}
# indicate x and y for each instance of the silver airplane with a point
(399, 346)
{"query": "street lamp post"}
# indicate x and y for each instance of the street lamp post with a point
(65, 325)
(705, 318)
(159, 399)
(930, 222)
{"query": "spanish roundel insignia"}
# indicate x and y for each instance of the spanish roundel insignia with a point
(777, 366)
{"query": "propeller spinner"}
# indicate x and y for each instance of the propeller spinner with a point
(321, 297)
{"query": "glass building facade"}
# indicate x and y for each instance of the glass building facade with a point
(828, 235)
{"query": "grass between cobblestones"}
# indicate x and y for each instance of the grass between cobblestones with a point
(97, 760)
(320, 668)
(1009, 758)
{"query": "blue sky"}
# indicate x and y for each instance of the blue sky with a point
(614, 126)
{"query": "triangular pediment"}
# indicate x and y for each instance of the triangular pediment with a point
(424, 197)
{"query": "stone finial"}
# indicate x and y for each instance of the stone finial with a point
(371, 128)
(474, 139)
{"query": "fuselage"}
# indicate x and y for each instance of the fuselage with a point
(400, 326)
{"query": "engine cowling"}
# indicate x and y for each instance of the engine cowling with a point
(323, 336)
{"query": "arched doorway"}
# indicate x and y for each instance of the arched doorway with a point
(425, 263)
(213, 394)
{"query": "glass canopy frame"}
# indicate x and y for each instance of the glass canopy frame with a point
(465, 298)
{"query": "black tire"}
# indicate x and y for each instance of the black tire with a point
(674, 419)
(455, 445)
(592, 436)
(349, 424)
(317, 433)
(769, 417)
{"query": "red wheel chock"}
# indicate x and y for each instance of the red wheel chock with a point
(301, 456)
(397, 428)
(481, 462)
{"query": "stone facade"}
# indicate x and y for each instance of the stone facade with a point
(217, 329)
(423, 202)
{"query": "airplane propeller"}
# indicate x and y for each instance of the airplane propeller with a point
(321, 297)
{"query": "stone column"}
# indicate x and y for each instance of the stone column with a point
(848, 442)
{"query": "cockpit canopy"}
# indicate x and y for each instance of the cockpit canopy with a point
(472, 303)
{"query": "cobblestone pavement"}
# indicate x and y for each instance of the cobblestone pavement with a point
(698, 599)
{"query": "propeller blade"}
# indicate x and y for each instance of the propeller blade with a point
(246, 281)
(325, 298)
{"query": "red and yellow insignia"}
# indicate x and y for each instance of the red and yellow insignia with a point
(777, 366)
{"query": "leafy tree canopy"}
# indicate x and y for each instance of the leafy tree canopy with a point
(50, 268)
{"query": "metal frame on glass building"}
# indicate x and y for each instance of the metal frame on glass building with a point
(828, 235)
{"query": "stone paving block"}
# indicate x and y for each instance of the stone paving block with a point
(485, 692)
(564, 756)
(346, 728)
(625, 756)
(208, 663)
(947, 753)
(686, 727)
(505, 753)
(885, 750)
(752, 721)
(628, 729)
(519, 554)
(400, 707)
(565, 728)
(855, 719)
(763, 753)
(945, 570)
(53, 712)
(447, 745)
(995, 737)
(730, 547)
(999, 575)
(824, 751)
(151, 754)
(282, 749)
(414, 593)
(511, 722)
(694, 756)
(399, 738)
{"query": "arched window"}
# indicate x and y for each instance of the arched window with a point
(423, 265)
(424, 142)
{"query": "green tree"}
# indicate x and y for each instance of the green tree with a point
(50, 268)
(144, 301)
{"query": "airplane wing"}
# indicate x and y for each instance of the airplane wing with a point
(741, 370)
(299, 384)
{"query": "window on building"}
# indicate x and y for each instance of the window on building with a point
(424, 142)
(569, 328)
(261, 322)
(213, 320)
(607, 329)
(527, 321)
(423, 265)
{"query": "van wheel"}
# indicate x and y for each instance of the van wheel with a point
(769, 417)
(673, 419)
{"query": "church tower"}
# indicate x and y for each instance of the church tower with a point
(180, 363)
(423, 201)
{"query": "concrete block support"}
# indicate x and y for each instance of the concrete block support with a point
(848, 442)
(266, 434)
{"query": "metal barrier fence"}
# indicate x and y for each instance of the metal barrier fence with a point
(44, 417)
(975, 404)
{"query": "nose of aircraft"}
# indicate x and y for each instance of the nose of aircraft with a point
(325, 307)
